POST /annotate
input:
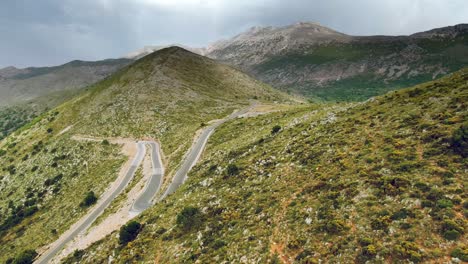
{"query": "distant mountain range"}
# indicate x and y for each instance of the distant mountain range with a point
(324, 64)
(316, 61)
(304, 58)
(21, 85)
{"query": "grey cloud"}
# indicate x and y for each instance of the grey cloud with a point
(50, 32)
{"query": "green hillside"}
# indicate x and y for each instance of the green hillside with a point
(167, 96)
(382, 181)
(365, 67)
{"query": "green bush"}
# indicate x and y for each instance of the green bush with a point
(451, 230)
(25, 257)
(451, 234)
(460, 140)
(89, 200)
(408, 250)
(189, 218)
(444, 203)
(129, 232)
(218, 244)
(232, 170)
(105, 142)
(369, 250)
(335, 226)
(459, 253)
(275, 129)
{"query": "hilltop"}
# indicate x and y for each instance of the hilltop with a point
(380, 181)
(166, 96)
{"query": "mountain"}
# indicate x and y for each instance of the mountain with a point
(27, 93)
(381, 181)
(46, 172)
(22, 85)
(316, 61)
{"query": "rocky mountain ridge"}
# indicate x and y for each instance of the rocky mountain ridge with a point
(313, 60)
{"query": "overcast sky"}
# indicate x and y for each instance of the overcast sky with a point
(51, 32)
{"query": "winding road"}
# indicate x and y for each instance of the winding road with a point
(195, 153)
(153, 185)
(86, 221)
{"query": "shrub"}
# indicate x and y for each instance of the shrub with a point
(129, 232)
(218, 244)
(408, 250)
(89, 199)
(444, 203)
(381, 223)
(451, 230)
(459, 140)
(306, 256)
(451, 234)
(402, 214)
(369, 250)
(365, 241)
(25, 257)
(335, 226)
(105, 142)
(49, 130)
(232, 170)
(275, 129)
(189, 218)
(459, 253)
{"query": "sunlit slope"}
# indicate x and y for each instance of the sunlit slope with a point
(166, 96)
(379, 181)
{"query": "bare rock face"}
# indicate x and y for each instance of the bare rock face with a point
(306, 57)
(260, 43)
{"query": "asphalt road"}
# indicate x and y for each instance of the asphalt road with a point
(96, 211)
(154, 183)
(145, 200)
(195, 153)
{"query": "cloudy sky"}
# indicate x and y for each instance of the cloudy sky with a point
(51, 32)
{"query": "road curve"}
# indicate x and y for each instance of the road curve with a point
(153, 185)
(97, 210)
(195, 153)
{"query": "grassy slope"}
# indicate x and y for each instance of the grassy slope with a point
(27, 95)
(371, 181)
(452, 54)
(15, 116)
(166, 96)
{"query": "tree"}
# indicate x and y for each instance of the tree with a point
(189, 218)
(105, 142)
(129, 232)
(89, 199)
